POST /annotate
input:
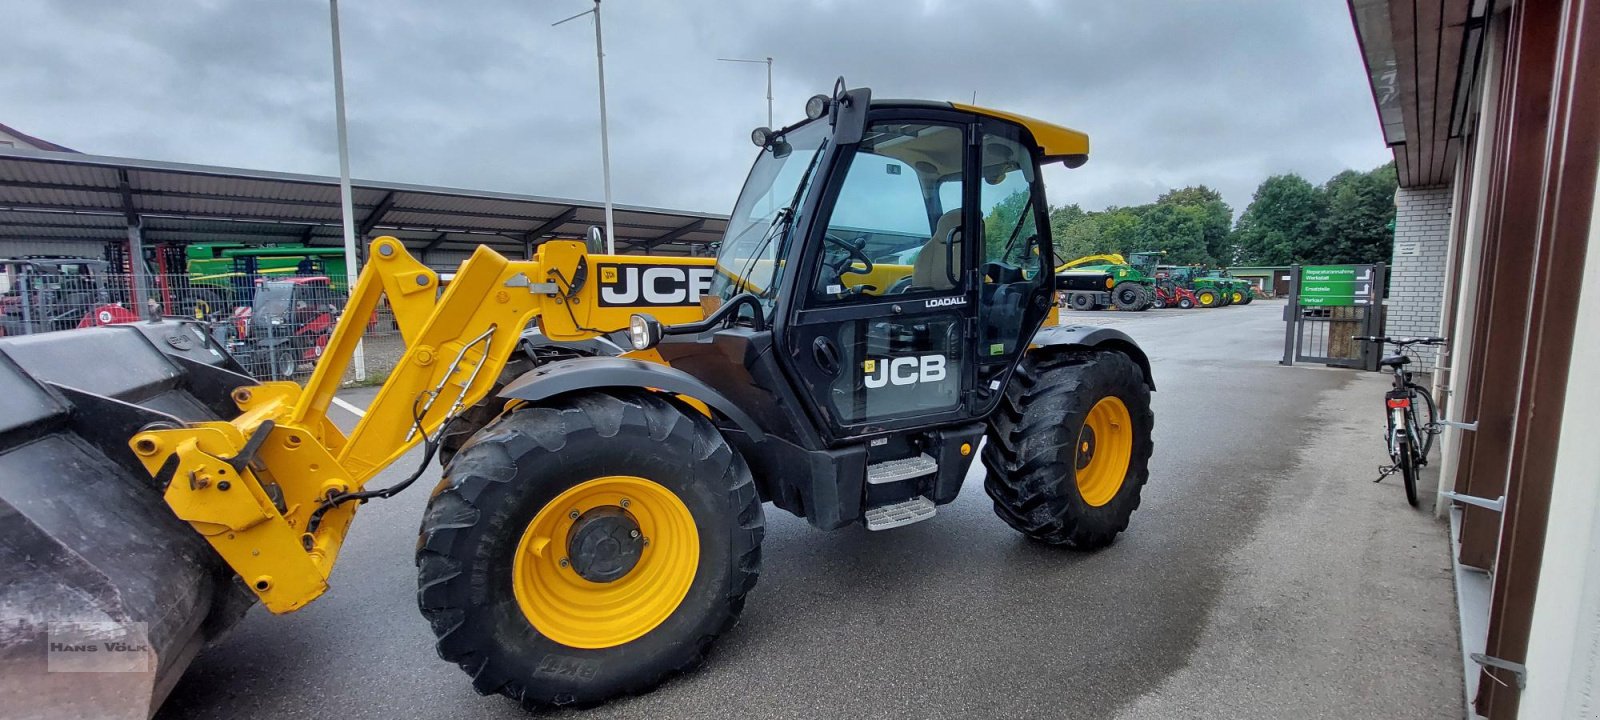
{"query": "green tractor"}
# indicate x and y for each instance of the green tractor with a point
(1235, 290)
(1211, 288)
(1133, 281)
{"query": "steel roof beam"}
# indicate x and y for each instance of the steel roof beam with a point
(540, 230)
(375, 215)
(647, 245)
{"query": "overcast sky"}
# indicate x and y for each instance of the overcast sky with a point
(484, 94)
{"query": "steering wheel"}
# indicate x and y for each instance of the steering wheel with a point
(855, 252)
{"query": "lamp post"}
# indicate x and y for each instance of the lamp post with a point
(345, 202)
(605, 143)
(768, 63)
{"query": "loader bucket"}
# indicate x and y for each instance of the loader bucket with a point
(90, 555)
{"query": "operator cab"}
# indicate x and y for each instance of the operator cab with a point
(890, 260)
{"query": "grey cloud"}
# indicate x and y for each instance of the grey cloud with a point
(487, 95)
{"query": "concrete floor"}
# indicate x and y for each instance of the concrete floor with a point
(1264, 576)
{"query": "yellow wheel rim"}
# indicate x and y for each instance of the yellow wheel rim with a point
(1238, 297)
(1207, 298)
(1105, 447)
(569, 609)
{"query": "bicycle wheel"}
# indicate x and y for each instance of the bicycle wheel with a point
(1422, 419)
(1407, 460)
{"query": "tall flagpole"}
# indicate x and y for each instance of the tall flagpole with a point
(605, 139)
(346, 204)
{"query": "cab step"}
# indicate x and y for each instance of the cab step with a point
(905, 512)
(890, 471)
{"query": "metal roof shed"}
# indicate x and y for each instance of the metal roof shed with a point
(64, 198)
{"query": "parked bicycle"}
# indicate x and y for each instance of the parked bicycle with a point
(1412, 424)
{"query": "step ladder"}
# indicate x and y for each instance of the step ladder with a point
(904, 512)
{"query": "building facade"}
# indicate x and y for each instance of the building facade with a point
(1492, 109)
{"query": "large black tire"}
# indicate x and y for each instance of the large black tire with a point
(1129, 297)
(522, 461)
(1033, 439)
(473, 419)
(1208, 298)
(1249, 297)
(1082, 302)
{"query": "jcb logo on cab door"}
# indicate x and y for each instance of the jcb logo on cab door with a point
(657, 286)
(904, 370)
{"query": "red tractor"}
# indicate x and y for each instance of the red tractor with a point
(1169, 294)
(287, 325)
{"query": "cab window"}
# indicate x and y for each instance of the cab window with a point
(895, 226)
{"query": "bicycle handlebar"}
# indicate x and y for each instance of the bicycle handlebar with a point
(1401, 341)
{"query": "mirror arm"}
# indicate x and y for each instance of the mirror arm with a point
(729, 308)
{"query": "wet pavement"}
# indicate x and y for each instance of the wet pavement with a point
(1263, 575)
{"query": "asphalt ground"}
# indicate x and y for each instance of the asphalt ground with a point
(1263, 576)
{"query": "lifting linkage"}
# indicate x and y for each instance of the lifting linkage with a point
(253, 485)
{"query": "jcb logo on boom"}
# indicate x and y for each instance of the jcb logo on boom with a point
(653, 286)
(904, 370)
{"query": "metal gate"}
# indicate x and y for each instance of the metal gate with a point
(1328, 304)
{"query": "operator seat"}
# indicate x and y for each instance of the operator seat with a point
(930, 268)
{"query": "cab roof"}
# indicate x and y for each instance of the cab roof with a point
(1055, 141)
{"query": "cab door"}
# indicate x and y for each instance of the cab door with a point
(882, 331)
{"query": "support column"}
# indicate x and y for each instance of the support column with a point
(1417, 270)
(138, 282)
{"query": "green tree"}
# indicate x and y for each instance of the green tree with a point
(1360, 210)
(1283, 223)
(1073, 231)
(1177, 230)
(1214, 215)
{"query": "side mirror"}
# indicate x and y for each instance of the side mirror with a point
(595, 240)
(644, 331)
(849, 113)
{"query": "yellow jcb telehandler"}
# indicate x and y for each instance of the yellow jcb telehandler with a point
(879, 314)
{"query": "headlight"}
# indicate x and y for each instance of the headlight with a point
(817, 106)
(643, 332)
(276, 321)
(761, 136)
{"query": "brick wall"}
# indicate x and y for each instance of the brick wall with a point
(1416, 270)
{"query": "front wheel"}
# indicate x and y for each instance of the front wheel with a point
(1068, 450)
(587, 548)
(1082, 302)
(284, 364)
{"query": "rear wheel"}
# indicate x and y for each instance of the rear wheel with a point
(1407, 461)
(1236, 297)
(1068, 450)
(1082, 302)
(1185, 303)
(1129, 296)
(587, 548)
(1207, 298)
